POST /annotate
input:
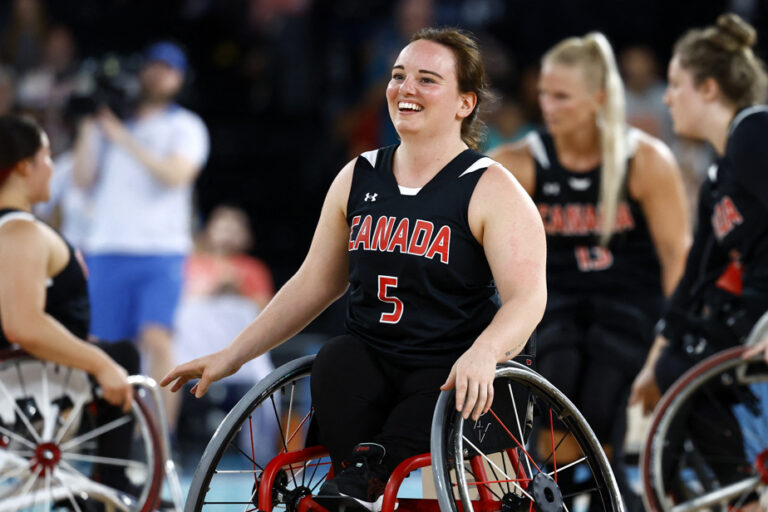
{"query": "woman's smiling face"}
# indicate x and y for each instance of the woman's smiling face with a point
(423, 94)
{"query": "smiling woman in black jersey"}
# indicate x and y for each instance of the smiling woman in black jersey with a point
(444, 256)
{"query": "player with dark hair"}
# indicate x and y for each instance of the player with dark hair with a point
(443, 253)
(715, 94)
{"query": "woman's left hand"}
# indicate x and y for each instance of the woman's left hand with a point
(472, 375)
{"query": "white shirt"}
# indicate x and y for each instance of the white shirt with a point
(134, 212)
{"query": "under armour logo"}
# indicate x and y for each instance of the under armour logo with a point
(551, 189)
(370, 197)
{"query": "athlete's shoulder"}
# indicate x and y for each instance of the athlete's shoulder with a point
(519, 158)
(647, 147)
(653, 164)
(21, 230)
(749, 121)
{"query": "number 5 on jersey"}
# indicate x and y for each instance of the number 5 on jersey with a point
(385, 283)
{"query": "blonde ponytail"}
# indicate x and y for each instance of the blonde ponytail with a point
(594, 55)
(613, 140)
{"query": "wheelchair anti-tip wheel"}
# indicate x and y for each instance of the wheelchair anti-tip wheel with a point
(707, 448)
(532, 451)
(49, 442)
(262, 440)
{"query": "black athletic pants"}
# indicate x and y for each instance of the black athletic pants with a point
(362, 396)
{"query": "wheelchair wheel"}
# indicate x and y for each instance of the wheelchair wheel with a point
(708, 442)
(257, 458)
(501, 463)
(51, 430)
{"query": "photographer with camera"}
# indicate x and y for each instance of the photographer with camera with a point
(140, 173)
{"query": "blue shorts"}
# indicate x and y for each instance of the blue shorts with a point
(129, 293)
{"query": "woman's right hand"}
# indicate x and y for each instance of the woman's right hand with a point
(645, 391)
(113, 381)
(208, 369)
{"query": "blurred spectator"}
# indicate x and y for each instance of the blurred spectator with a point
(22, 45)
(506, 124)
(366, 125)
(141, 171)
(220, 265)
(44, 90)
(224, 290)
(645, 92)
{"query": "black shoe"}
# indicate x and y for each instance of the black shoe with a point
(360, 486)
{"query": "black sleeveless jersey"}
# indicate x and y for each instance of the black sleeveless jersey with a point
(66, 297)
(732, 228)
(568, 204)
(421, 290)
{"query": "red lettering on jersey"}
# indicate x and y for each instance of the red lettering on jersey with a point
(441, 245)
(725, 217)
(355, 222)
(382, 232)
(731, 212)
(423, 230)
(574, 218)
(577, 219)
(364, 235)
(591, 222)
(624, 220)
(400, 238)
(556, 219)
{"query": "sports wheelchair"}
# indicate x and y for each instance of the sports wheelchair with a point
(49, 438)
(707, 447)
(262, 457)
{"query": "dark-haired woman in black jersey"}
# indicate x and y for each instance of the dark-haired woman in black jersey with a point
(716, 87)
(443, 253)
(44, 305)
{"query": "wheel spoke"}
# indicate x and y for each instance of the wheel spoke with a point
(48, 491)
(16, 437)
(104, 460)
(527, 455)
(568, 465)
(552, 437)
(280, 429)
(112, 425)
(562, 439)
(30, 482)
(493, 464)
(253, 451)
(519, 424)
(74, 413)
